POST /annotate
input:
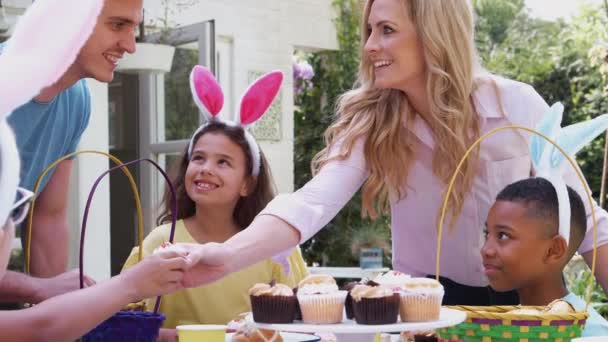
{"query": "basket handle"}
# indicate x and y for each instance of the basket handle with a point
(572, 162)
(140, 221)
(88, 206)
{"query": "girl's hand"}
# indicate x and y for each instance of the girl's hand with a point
(156, 274)
(207, 263)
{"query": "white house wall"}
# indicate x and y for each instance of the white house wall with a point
(264, 34)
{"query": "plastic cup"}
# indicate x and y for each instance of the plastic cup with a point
(201, 332)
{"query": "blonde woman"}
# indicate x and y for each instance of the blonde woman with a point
(420, 102)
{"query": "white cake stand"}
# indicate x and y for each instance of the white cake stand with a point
(349, 330)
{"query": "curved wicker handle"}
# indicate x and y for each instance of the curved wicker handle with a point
(572, 162)
(88, 205)
(126, 171)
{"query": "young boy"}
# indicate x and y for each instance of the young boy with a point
(524, 252)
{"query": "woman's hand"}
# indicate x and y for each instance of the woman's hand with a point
(207, 263)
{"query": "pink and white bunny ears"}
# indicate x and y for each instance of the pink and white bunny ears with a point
(209, 98)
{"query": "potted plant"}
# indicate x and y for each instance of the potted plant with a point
(155, 56)
(371, 243)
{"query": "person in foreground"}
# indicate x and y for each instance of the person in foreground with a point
(523, 250)
(69, 316)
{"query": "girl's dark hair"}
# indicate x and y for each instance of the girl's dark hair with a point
(247, 207)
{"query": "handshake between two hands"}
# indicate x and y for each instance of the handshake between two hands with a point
(174, 267)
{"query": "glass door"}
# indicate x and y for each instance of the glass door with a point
(152, 116)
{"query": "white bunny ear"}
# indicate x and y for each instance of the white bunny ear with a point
(574, 137)
(563, 203)
(206, 92)
(259, 97)
(549, 126)
(44, 44)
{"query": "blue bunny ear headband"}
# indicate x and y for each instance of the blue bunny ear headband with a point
(24, 74)
(548, 160)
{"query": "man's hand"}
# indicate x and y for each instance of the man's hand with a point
(157, 274)
(207, 263)
(63, 283)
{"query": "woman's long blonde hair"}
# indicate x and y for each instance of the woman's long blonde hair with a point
(380, 116)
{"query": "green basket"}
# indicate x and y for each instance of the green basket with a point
(495, 324)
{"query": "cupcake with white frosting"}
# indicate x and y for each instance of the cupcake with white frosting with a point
(321, 302)
(392, 279)
(420, 300)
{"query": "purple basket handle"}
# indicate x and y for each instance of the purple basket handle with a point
(88, 206)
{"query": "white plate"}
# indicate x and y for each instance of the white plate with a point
(447, 318)
(288, 337)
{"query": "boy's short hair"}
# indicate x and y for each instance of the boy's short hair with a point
(540, 197)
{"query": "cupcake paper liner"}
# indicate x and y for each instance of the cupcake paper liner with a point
(383, 310)
(348, 306)
(418, 307)
(322, 308)
(273, 309)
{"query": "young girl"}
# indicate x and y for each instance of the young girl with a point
(222, 183)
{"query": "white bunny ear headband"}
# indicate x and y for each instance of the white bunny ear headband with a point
(209, 98)
(38, 33)
(548, 160)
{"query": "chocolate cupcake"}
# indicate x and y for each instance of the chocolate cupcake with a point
(272, 303)
(419, 336)
(375, 305)
(298, 313)
(429, 337)
(348, 303)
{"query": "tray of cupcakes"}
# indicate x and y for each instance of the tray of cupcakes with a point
(391, 302)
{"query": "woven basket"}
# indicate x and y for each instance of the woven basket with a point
(495, 323)
(132, 324)
(127, 326)
(136, 326)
